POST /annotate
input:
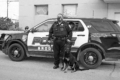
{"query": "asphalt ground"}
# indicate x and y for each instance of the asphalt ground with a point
(42, 69)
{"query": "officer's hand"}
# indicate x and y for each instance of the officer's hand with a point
(49, 41)
(68, 40)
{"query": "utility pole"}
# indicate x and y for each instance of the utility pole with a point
(7, 8)
(93, 13)
(8, 1)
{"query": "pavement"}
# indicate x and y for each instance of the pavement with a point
(42, 69)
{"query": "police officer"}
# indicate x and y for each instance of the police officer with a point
(61, 33)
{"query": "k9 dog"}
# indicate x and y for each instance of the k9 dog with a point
(69, 60)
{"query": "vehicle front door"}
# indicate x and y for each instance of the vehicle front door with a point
(38, 40)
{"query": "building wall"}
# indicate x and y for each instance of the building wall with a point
(86, 8)
(114, 11)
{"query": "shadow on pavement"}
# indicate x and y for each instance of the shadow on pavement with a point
(39, 59)
(106, 63)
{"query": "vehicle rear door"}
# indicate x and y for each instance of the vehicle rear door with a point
(80, 34)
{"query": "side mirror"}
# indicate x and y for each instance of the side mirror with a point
(33, 30)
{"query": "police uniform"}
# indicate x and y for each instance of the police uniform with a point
(60, 32)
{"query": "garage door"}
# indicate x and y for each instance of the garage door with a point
(117, 16)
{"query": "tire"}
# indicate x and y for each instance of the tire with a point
(16, 52)
(90, 58)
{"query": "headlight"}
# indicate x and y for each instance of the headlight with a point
(24, 38)
(6, 37)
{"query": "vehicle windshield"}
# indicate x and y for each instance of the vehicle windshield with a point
(36, 25)
(44, 27)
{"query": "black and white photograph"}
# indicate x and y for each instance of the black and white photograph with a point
(59, 39)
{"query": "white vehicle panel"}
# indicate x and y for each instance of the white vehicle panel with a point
(81, 38)
(36, 34)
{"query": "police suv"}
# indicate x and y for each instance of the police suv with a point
(93, 40)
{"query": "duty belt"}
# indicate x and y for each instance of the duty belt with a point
(60, 38)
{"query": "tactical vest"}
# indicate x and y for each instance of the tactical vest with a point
(59, 30)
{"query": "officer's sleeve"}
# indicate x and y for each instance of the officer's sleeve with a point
(69, 31)
(50, 32)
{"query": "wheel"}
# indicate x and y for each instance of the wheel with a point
(16, 52)
(90, 58)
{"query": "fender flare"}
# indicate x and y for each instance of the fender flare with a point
(92, 43)
(19, 42)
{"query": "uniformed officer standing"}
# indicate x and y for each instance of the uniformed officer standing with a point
(61, 33)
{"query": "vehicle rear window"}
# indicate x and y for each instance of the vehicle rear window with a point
(91, 29)
(115, 23)
(77, 26)
(102, 26)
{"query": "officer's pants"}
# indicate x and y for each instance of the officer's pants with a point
(58, 47)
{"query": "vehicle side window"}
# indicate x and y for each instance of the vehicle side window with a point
(80, 27)
(77, 26)
(91, 28)
(45, 26)
(102, 26)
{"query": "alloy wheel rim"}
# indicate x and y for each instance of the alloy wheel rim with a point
(90, 58)
(15, 52)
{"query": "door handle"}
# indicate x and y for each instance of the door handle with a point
(80, 35)
(47, 35)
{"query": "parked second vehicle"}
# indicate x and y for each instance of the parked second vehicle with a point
(93, 40)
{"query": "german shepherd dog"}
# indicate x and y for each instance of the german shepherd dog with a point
(69, 60)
